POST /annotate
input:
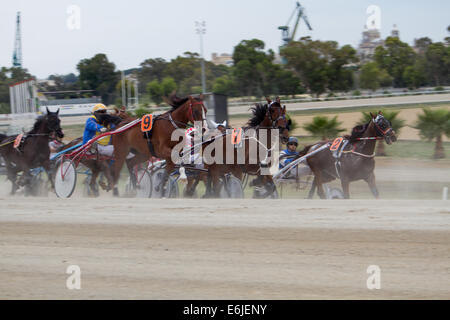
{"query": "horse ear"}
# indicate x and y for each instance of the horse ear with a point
(268, 100)
(284, 109)
(57, 112)
(48, 111)
(373, 117)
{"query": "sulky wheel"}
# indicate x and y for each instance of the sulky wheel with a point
(144, 185)
(65, 179)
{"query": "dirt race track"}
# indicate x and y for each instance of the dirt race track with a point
(219, 249)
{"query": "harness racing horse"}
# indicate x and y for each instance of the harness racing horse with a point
(158, 142)
(269, 116)
(97, 164)
(32, 151)
(357, 163)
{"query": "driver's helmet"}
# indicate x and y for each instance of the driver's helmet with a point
(292, 140)
(99, 107)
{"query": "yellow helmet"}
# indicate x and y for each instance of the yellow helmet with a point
(98, 107)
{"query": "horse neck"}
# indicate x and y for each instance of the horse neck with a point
(368, 146)
(41, 129)
(181, 115)
(266, 123)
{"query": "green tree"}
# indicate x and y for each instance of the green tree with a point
(415, 76)
(370, 76)
(392, 116)
(252, 68)
(151, 69)
(224, 85)
(433, 124)
(168, 85)
(321, 65)
(100, 75)
(438, 62)
(394, 57)
(156, 91)
(324, 127)
(422, 45)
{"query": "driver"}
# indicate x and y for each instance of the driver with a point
(94, 128)
(291, 154)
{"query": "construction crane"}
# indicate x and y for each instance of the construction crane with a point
(287, 37)
(17, 55)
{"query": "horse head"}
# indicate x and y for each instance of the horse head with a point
(53, 123)
(197, 111)
(383, 128)
(276, 115)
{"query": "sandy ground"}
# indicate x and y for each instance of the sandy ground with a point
(219, 249)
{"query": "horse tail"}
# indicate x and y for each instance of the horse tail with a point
(3, 137)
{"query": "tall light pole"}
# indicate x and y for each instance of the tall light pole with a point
(200, 28)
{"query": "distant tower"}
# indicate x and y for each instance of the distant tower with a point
(395, 33)
(17, 55)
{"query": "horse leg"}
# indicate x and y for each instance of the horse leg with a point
(49, 170)
(313, 189)
(345, 188)
(372, 185)
(169, 169)
(106, 169)
(93, 183)
(319, 185)
(12, 176)
(120, 155)
(269, 186)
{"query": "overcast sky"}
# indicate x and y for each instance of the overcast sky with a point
(131, 31)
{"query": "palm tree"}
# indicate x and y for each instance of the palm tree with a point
(396, 123)
(324, 127)
(432, 125)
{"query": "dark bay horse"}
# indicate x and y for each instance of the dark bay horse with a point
(356, 162)
(33, 152)
(184, 111)
(265, 117)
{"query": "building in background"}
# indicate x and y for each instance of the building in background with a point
(371, 40)
(224, 59)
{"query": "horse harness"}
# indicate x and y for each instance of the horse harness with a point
(148, 134)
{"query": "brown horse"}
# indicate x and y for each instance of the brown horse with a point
(184, 111)
(269, 116)
(357, 160)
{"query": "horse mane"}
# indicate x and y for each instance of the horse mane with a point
(259, 112)
(357, 132)
(37, 124)
(175, 102)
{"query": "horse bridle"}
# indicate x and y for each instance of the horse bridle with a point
(190, 115)
(274, 122)
(191, 111)
(379, 130)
